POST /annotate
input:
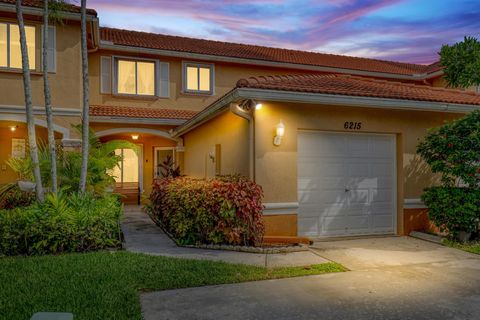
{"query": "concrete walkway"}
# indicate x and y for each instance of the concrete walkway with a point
(142, 235)
(392, 278)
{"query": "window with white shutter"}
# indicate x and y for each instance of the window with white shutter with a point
(106, 74)
(163, 73)
(51, 49)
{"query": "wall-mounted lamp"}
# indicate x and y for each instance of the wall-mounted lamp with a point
(258, 106)
(13, 128)
(280, 132)
(134, 136)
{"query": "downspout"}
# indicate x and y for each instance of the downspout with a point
(249, 116)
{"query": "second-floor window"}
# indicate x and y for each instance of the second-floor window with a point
(136, 77)
(10, 51)
(198, 78)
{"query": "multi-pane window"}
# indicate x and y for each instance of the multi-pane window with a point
(135, 77)
(10, 51)
(198, 78)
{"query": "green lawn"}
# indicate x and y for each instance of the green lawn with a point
(106, 285)
(473, 247)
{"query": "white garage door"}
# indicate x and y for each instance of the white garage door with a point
(346, 184)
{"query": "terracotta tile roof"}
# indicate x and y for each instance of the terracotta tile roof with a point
(235, 50)
(359, 86)
(39, 4)
(137, 112)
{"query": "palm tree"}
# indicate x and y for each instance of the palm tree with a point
(85, 116)
(48, 100)
(32, 139)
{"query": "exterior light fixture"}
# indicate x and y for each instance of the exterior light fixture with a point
(280, 132)
(13, 128)
(134, 136)
(258, 106)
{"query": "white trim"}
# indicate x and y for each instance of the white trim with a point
(280, 208)
(318, 98)
(40, 110)
(39, 122)
(355, 101)
(198, 65)
(108, 119)
(415, 203)
(159, 133)
(108, 45)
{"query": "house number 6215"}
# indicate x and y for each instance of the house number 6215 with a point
(348, 125)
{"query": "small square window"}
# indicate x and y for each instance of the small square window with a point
(198, 78)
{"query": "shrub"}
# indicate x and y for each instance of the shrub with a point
(453, 151)
(453, 209)
(73, 223)
(226, 210)
(12, 197)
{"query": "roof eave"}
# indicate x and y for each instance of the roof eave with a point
(136, 120)
(316, 98)
(108, 45)
(5, 7)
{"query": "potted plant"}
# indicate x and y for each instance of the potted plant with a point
(23, 169)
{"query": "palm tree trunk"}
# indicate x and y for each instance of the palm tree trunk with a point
(32, 139)
(48, 101)
(85, 116)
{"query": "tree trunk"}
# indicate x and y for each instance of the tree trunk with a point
(32, 139)
(48, 101)
(85, 115)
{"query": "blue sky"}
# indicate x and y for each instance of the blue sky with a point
(400, 30)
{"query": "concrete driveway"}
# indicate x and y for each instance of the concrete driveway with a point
(391, 278)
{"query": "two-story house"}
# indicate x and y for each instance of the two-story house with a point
(330, 138)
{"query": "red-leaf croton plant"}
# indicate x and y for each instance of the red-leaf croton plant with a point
(224, 210)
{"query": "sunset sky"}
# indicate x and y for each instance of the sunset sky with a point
(401, 30)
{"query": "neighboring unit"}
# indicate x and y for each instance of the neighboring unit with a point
(331, 139)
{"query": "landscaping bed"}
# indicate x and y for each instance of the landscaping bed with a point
(225, 211)
(106, 285)
(62, 223)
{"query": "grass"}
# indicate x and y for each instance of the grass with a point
(106, 285)
(473, 247)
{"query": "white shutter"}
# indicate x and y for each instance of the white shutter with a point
(51, 49)
(106, 74)
(163, 83)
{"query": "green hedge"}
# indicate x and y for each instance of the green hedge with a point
(453, 208)
(64, 223)
(226, 210)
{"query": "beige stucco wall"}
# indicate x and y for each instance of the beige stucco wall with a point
(226, 76)
(276, 167)
(65, 83)
(231, 133)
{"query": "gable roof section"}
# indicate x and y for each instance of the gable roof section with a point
(340, 90)
(39, 4)
(360, 87)
(140, 113)
(259, 53)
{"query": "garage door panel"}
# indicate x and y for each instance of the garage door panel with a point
(308, 226)
(383, 222)
(382, 195)
(346, 184)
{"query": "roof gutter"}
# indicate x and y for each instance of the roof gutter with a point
(316, 98)
(39, 12)
(107, 45)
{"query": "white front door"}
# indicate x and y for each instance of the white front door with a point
(346, 184)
